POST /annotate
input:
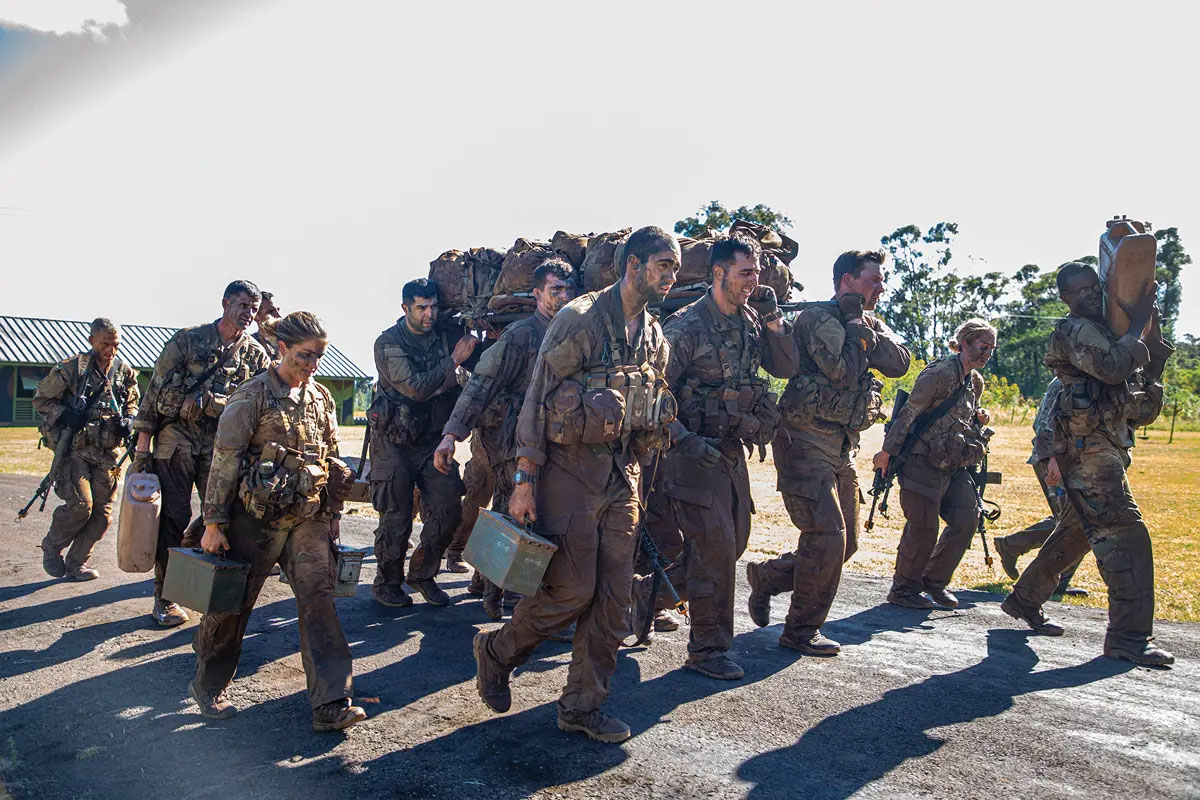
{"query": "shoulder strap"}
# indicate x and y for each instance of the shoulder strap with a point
(922, 422)
(208, 373)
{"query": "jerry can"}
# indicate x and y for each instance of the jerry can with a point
(137, 528)
(205, 583)
(347, 566)
(508, 554)
(1128, 252)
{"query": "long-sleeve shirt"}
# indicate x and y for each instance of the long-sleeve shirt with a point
(1043, 424)
(578, 338)
(417, 368)
(265, 409)
(186, 356)
(843, 353)
(98, 442)
(933, 386)
(497, 388)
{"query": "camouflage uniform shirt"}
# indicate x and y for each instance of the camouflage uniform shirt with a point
(99, 442)
(265, 409)
(187, 355)
(933, 386)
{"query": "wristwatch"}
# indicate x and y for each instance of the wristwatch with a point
(521, 476)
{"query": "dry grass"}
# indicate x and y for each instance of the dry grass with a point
(1164, 480)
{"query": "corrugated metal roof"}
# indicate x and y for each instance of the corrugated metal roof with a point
(28, 340)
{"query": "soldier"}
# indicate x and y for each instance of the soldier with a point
(197, 371)
(832, 398)
(1110, 385)
(418, 385)
(702, 486)
(274, 495)
(1015, 545)
(267, 317)
(595, 405)
(492, 398)
(944, 419)
(480, 486)
(97, 393)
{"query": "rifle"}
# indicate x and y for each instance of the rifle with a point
(66, 440)
(989, 510)
(660, 565)
(881, 487)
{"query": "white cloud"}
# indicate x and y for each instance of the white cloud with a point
(94, 18)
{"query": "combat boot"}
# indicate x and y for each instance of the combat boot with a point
(337, 716)
(720, 666)
(168, 614)
(84, 573)
(908, 598)
(1033, 617)
(1150, 654)
(596, 724)
(665, 623)
(1008, 558)
(475, 587)
(492, 605)
(942, 598)
(391, 596)
(432, 593)
(813, 644)
(491, 679)
(212, 705)
(455, 564)
(52, 562)
(759, 602)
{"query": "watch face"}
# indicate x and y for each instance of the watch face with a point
(520, 477)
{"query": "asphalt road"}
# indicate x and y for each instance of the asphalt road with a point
(945, 704)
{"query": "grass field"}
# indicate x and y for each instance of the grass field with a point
(1164, 479)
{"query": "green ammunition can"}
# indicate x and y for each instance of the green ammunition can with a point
(205, 583)
(508, 554)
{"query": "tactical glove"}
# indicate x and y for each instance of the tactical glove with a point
(699, 449)
(851, 306)
(73, 414)
(763, 300)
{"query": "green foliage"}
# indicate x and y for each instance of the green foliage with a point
(1171, 260)
(926, 299)
(1023, 330)
(714, 217)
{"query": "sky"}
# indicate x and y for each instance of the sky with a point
(153, 150)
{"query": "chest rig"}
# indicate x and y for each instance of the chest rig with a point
(287, 480)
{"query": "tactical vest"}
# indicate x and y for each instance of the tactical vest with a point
(185, 397)
(401, 419)
(812, 396)
(742, 406)
(102, 429)
(281, 482)
(611, 398)
(955, 440)
(1086, 405)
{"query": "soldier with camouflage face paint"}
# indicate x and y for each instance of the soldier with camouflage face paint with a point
(1110, 385)
(197, 371)
(830, 400)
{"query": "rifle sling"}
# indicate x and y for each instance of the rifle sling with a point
(922, 423)
(225, 356)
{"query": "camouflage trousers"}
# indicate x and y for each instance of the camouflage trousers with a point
(305, 552)
(588, 582)
(395, 471)
(700, 520)
(923, 559)
(1100, 514)
(1037, 534)
(479, 481)
(178, 474)
(86, 490)
(822, 500)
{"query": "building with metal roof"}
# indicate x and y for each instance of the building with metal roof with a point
(29, 347)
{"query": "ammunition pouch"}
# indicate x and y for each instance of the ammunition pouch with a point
(282, 482)
(956, 450)
(746, 410)
(169, 400)
(397, 421)
(1088, 405)
(810, 397)
(607, 406)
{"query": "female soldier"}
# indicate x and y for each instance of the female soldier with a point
(943, 416)
(274, 495)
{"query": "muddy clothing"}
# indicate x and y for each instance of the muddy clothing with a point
(418, 386)
(711, 507)
(489, 405)
(1110, 386)
(586, 493)
(268, 344)
(831, 399)
(294, 532)
(934, 481)
(182, 416)
(85, 481)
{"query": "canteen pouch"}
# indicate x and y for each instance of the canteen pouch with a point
(604, 415)
(564, 414)
(868, 405)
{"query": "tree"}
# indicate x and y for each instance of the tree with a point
(1024, 328)
(715, 218)
(1171, 259)
(926, 299)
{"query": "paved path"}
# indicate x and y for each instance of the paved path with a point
(962, 705)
